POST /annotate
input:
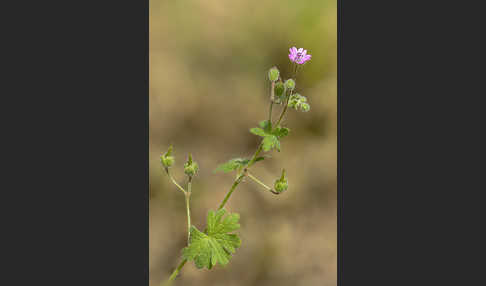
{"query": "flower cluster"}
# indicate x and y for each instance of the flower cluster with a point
(297, 101)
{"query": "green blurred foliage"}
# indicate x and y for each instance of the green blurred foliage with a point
(209, 62)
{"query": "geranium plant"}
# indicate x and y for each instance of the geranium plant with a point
(218, 241)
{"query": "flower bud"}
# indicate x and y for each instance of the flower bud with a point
(167, 159)
(281, 184)
(190, 167)
(298, 101)
(279, 90)
(290, 84)
(273, 74)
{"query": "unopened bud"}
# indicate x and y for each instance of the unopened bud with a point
(298, 101)
(281, 184)
(273, 74)
(279, 90)
(290, 84)
(190, 167)
(167, 159)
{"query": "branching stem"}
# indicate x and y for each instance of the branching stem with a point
(174, 181)
(233, 187)
(237, 181)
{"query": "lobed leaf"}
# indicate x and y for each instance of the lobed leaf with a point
(258, 131)
(206, 250)
(270, 137)
(281, 132)
(266, 125)
(270, 142)
(259, 159)
(232, 165)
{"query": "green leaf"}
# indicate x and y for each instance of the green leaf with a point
(281, 132)
(243, 162)
(270, 138)
(218, 244)
(259, 159)
(270, 142)
(266, 125)
(258, 131)
(231, 165)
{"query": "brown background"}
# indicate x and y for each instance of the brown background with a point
(208, 85)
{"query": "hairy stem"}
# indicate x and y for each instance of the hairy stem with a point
(296, 66)
(272, 98)
(175, 272)
(174, 181)
(259, 182)
(270, 113)
(188, 197)
(284, 109)
(233, 187)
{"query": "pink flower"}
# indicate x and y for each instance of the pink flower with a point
(299, 56)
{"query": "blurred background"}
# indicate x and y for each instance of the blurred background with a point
(208, 86)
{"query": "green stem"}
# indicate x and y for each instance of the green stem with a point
(272, 98)
(270, 113)
(174, 181)
(188, 197)
(288, 98)
(175, 272)
(259, 182)
(233, 187)
(257, 152)
(285, 109)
